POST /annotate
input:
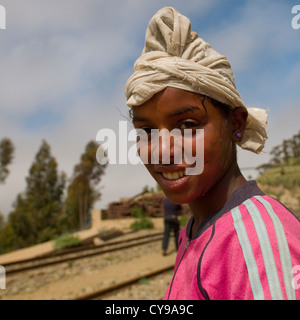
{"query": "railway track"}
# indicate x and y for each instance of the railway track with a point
(39, 262)
(105, 292)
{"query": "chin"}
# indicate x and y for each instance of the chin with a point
(181, 197)
(181, 190)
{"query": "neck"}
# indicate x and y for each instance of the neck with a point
(217, 196)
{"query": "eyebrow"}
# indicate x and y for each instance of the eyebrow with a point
(136, 119)
(186, 109)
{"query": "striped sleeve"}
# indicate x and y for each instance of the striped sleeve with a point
(265, 249)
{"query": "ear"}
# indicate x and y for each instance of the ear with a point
(238, 123)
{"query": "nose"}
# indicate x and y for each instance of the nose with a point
(166, 150)
(166, 147)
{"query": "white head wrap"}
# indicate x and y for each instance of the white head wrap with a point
(174, 56)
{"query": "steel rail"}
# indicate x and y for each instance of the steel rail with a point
(96, 251)
(97, 295)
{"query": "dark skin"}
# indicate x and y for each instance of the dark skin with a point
(207, 192)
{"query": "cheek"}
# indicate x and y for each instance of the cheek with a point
(218, 149)
(226, 147)
(144, 149)
(193, 149)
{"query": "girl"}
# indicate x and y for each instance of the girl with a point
(240, 243)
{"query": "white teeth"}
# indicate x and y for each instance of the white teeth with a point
(173, 175)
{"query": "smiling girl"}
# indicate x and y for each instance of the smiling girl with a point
(239, 243)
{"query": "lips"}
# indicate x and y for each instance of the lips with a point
(172, 178)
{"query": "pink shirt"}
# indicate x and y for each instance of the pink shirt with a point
(250, 249)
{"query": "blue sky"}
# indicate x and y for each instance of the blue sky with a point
(64, 64)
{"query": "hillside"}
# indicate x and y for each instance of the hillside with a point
(283, 183)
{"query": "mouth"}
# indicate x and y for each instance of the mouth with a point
(173, 175)
(172, 179)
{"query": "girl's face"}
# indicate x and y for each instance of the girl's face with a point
(175, 108)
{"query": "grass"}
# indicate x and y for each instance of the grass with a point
(141, 219)
(142, 223)
(287, 176)
(144, 281)
(66, 241)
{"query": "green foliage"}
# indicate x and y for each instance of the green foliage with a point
(145, 189)
(82, 191)
(137, 212)
(287, 176)
(6, 156)
(66, 241)
(287, 153)
(2, 223)
(78, 203)
(88, 166)
(37, 212)
(141, 221)
(144, 281)
(40, 212)
(183, 220)
(109, 258)
(7, 239)
(284, 167)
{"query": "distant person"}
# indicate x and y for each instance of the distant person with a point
(171, 212)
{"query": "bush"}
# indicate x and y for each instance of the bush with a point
(141, 221)
(67, 241)
(137, 212)
(285, 176)
(183, 220)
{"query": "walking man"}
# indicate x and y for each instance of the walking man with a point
(171, 222)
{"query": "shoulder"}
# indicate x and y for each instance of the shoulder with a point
(265, 221)
(260, 239)
(261, 219)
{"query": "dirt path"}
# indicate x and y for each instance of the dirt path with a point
(68, 281)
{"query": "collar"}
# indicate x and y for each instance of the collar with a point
(246, 191)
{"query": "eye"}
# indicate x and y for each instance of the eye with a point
(141, 132)
(188, 125)
(147, 130)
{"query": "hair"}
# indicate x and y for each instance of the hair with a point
(130, 114)
(223, 107)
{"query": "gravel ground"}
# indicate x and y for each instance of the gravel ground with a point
(147, 289)
(74, 278)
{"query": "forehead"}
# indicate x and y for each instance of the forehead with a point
(167, 99)
(172, 102)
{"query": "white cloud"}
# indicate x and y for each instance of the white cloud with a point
(73, 57)
(262, 29)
